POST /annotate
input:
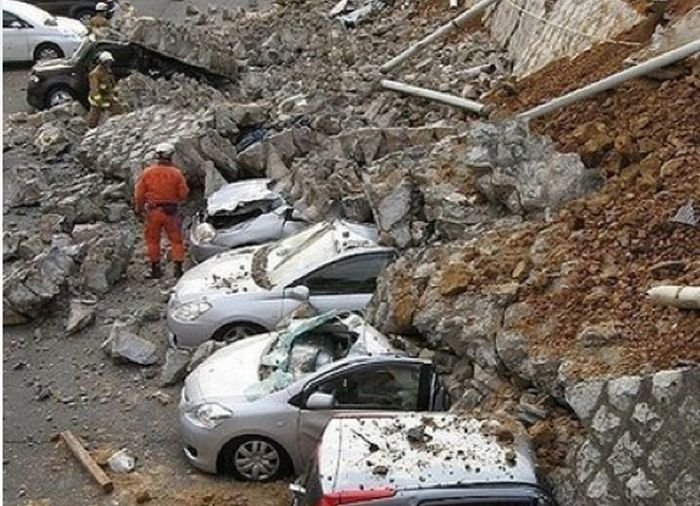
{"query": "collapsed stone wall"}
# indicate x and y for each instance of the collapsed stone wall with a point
(138, 91)
(532, 32)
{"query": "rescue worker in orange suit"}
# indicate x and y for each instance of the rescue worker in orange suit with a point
(159, 190)
(102, 96)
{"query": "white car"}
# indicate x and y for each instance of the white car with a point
(255, 408)
(31, 34)
(242, 213)
(246, 291)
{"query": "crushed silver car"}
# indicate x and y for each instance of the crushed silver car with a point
(421, 458)
(247, 291)
(242, 213)
(256, 407)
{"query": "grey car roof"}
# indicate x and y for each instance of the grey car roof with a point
(230, 196)
(375, 451)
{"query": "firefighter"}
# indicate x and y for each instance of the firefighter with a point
(100, 19)
(102, 97)
(159, 191)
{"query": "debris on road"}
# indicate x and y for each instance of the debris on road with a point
(175, 368)
(121, 462)
(80, 316)
(123, 345)
(87, 462)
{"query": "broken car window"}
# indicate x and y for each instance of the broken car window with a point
(357, 274)
(383, 387)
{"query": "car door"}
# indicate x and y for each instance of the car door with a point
(15, 42)
(382, 386)
(345, 284)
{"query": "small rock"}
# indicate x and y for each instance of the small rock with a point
(175, 368)
(142, 496)
(380, 470)
(81, 315)
(121, 462)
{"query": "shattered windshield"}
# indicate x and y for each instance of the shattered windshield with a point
(306, 347)
(297, 254)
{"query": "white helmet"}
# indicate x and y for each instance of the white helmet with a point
(101, 7)
(165, 150)
(105, 57)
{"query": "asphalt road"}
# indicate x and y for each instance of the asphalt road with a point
(14, 76)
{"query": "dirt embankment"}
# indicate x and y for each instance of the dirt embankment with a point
(619, 242)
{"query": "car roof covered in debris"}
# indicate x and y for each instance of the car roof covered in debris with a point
(230, 196)
(421, 450)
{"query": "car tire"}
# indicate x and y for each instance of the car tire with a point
(59, 95)
(235, 331)
(46, 51)
(254, 458)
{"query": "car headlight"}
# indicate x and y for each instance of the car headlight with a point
(191, 310)
(204, 232)
(209, 414)
(34, 78)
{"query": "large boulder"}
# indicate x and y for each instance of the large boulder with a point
(522, 171)
(124, 345)
(106, 261)
(34, 284)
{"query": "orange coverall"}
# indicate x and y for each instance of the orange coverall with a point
(158, 185)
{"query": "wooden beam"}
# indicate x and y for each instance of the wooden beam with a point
(87, 462)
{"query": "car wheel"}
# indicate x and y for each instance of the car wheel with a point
(58, 95)
(255, 459)
(84, 16)
(47, 51)
(235, 331)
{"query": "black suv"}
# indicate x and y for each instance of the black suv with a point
(78, 9)
(52, 82)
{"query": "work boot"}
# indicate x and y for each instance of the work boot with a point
(177, 271)
(156, 272)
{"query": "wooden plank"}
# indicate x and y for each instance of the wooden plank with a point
(87, 462)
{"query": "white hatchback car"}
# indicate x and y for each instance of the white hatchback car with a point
(31, 34)
(247, 291)
(256, 407)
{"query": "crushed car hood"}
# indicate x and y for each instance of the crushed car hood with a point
(231, 196)
(230, 371)
(228, 272)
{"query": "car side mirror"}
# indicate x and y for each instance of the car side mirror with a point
(319, 400)
(15, 24)
(299, 292)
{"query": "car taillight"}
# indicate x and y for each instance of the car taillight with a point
(354, 496)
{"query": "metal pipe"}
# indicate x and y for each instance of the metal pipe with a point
(684, 297)
(445, 98)
(613, 80)
(440, 32)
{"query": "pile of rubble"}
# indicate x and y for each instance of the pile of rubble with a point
(50, 133)
(138, 91)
